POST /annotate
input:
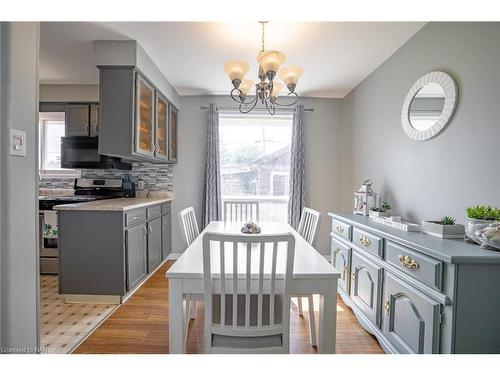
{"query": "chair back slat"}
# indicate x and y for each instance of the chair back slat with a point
(309, 225)
(189, 225)
(241, 211)
(264, 265)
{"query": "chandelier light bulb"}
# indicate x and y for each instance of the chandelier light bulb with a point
(245, 86)
(236, 70)
(290, 75)
(277, 88)
(270, 61)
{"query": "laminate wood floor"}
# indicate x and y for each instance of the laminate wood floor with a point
(140, 325)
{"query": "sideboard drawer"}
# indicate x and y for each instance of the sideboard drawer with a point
(341, 260)
(341, 229)
(422, 267)
(367, 241)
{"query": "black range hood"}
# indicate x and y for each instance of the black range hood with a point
(82, 152)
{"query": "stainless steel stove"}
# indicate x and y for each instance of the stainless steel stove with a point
(86, 190)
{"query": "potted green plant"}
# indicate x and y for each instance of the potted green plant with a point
(444, 228)
(383, 211)
(480, 217)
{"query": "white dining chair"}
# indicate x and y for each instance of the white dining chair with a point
(241, 211)
(247, 298)
(189, 226)
(190, 231)
(308, 229)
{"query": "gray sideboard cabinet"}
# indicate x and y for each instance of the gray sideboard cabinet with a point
(134, 117)
(416, 293)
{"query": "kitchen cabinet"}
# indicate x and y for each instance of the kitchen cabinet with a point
(154, 243)
(172, 149)
(137, 122)
(111, 252)
(136, 239)
(94, 120)
(82, 119)
(143, 129)
(166, 221)
(161, 133)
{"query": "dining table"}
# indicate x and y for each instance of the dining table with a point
(312, 274)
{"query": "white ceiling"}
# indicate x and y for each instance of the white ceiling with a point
(336, 56)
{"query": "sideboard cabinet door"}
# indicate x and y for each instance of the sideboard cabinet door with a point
(411, 319)
(366, 281)
(341, 260)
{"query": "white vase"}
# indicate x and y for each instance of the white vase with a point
(473, 225)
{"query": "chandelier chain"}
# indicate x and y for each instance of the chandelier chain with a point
(263, 23)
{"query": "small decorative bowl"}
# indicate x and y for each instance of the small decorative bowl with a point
(250, 228)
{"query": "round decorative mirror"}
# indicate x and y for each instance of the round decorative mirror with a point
(429, 105)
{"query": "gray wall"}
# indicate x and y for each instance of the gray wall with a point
(69, 93)
(19, 187)
(461, 166)
(323, 150)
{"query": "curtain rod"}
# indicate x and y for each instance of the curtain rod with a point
(260, 109)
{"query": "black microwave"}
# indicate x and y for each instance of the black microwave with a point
(82, 152)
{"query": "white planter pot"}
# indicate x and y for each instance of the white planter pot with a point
(443, 231)
(473, 225)
(379, 214)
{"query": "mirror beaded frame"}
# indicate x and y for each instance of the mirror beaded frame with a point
(447, 82)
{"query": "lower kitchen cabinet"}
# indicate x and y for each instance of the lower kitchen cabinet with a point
(411, 318)
(154, 243)
(366, 282)
(166, 241)
(136, 254)
(110, 252)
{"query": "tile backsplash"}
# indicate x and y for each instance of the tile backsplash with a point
(156, 177)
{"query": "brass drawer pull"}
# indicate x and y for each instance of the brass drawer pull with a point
(387, 306)
(340, 228)
(408, 263)
(365, 241)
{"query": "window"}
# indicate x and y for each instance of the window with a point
(51, 130)
(255, 161)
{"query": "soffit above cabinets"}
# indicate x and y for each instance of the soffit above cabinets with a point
(336, 56)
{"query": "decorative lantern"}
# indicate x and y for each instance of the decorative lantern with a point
(364, 199)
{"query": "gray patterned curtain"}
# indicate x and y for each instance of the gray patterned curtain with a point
(297, 169)
(212, 199)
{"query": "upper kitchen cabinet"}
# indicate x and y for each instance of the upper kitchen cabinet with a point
(135, 117)
(162, 139)
(82, 119)
(172, 148)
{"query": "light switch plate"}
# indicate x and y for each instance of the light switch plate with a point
(17, 142)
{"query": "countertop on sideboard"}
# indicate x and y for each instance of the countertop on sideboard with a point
(116, 204)
(448, 250)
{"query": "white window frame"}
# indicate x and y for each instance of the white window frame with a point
(44, 117)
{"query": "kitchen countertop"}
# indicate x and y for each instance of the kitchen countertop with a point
(116, 204)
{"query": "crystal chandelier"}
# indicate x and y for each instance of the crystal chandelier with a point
(267, 88)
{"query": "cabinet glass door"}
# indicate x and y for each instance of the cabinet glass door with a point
(144, 118)
(172, 150)
(161, 127)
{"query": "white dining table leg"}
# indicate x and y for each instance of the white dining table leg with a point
(176, 317)
(328, 319)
